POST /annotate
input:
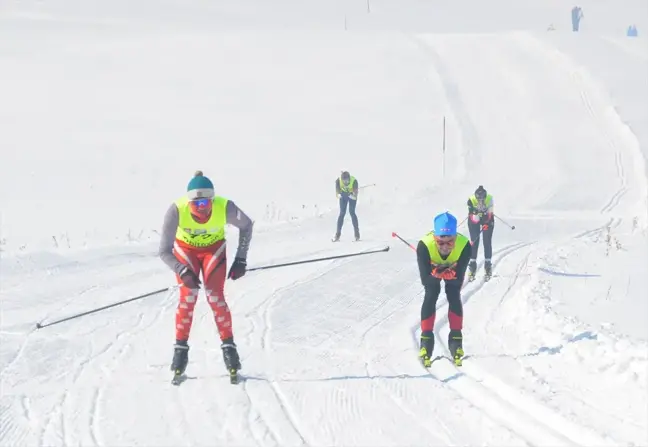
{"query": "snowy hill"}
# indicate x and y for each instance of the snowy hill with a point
(107, 109)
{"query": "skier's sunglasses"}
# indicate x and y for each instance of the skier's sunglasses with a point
(201, 203)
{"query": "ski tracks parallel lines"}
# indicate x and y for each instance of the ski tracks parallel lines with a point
(453, 374)
(606, 125)
(469, 133)
(509, 415)
(524, 416)
(614, 201)
(447, 437)
(95, 416)
(264, 313)
(253, 416)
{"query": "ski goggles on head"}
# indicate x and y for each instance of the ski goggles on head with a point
(445, 241)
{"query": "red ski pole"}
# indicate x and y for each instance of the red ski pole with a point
(394, 234)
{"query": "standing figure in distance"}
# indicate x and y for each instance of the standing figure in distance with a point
(193, 241)
(481, 222)
(442, 255)
(346, 190)
(576, 16)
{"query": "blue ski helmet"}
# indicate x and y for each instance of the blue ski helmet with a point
(445, 224)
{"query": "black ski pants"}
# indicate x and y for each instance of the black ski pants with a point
(487, 236)
(351, 204)
(453, 295)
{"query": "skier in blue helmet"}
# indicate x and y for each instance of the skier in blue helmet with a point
(442, 255)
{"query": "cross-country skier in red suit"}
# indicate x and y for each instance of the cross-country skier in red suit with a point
(193, 242)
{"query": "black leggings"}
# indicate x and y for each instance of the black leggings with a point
(487, 235)
(432, 291)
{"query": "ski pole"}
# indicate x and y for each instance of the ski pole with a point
(512, 227)
(394, 234)
(462, 222)
(367, 186)
(119, 303)
(306, 261)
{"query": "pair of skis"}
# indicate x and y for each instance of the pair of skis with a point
(179, 377)
(486, 277)
(456, 361)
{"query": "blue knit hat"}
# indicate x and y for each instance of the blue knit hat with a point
(445, 224)
(200, 187)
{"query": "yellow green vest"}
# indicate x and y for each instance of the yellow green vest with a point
(349, 188)
(475, 201)
(201, 235)
(453, 257)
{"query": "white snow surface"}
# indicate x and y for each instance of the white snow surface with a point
(107, 108)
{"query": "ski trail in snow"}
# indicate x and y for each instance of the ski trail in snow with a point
(601, 125)
(263, 314)
(72, 417)
(341, 399)
(623, 143)
(534, 422)
(424, 422)
(470, 137)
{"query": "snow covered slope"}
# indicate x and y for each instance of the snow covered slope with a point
(107, 108)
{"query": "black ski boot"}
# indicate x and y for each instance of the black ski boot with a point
(336, 238)
(488, 268)
(180, 360)
(455, 345)
(231, 359)
(427, 347)
(472, 269)
(357, 235)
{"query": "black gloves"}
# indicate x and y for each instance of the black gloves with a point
(238, 269)
(189, 278)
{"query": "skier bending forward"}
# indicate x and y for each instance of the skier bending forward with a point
(442, 255)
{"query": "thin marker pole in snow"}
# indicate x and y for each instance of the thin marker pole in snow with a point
(444, 145)
(368, 7)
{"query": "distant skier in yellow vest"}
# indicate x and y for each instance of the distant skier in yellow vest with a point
(346, 189)
(193, 241)
(481, 222)
(442, 255)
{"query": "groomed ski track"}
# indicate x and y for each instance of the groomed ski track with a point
(316, 360)
(329, 350)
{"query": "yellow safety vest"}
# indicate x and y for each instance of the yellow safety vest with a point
(475, 202)
(453, 257)
(349, 188)
(197, 234)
